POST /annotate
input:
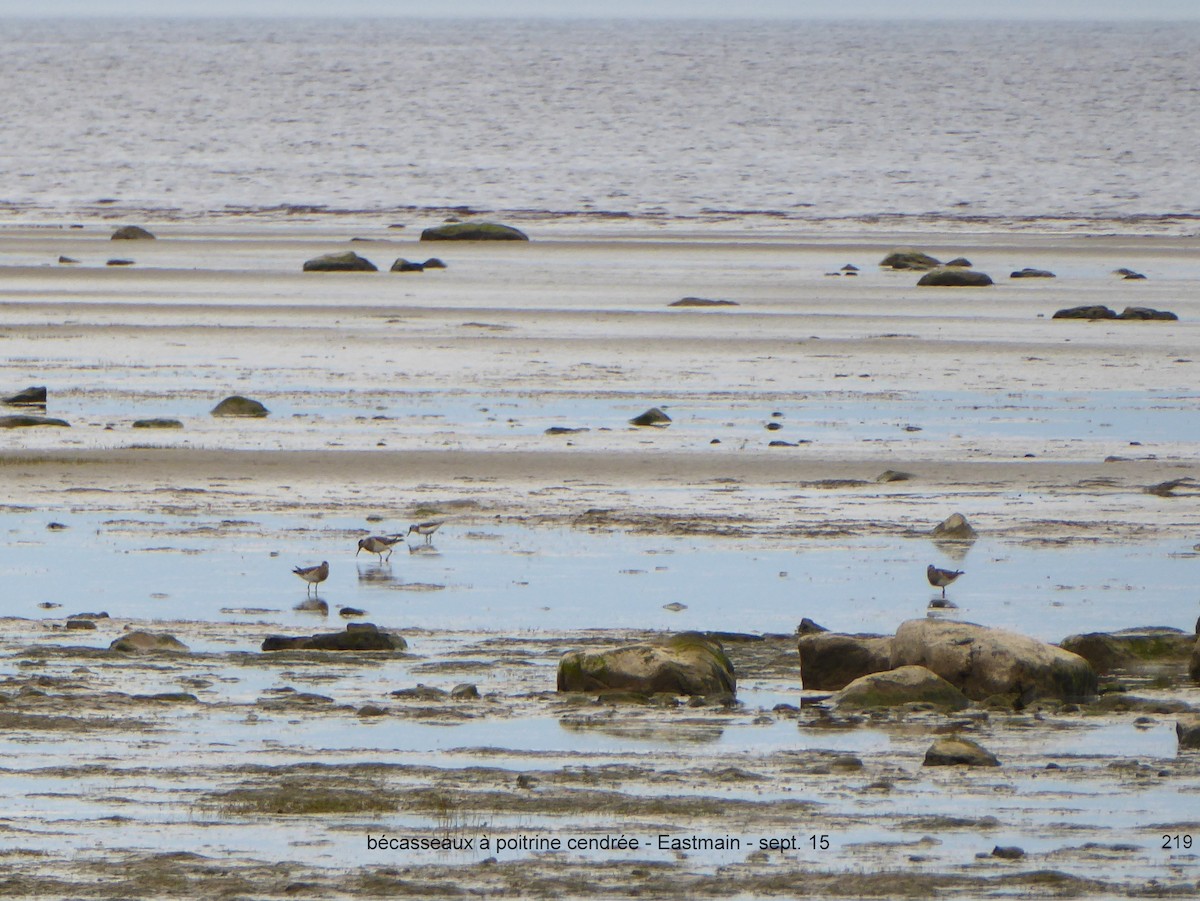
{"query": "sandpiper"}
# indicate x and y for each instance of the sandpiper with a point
(426, 528)
(378, 544)
(940, 578)
(313, 574)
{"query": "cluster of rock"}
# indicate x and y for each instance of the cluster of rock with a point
(349, 261)
(1099, 311)
(980, 663)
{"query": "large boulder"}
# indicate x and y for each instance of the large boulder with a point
(30, 397)
(831, 660)
(357, 637)
(131, 233)
(909, 259)
(473, 231)
(684, 664)
(1131, 649)
(984, 662)
(347, 261)
(954, 277)
(140, 642)
(236, 405)
(897, 687)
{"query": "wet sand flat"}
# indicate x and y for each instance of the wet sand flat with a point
(401, 396)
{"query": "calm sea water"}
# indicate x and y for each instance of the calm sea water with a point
(816, 125)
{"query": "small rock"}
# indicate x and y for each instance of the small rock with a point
(1147, 313)
(1032, 273)
(960, 263)
(774, 426)
(652, 417)
(31, 397)
(351, 611)
(101, 615)
(236, 405)
(403, 265)
(1009, 852)
(702, 302)
(147, 643)
(909, 259)
(82, 625)
(23, 421)
(894, 475)
(131, 233)
(346, 261)
(1088, 311)
(368, 710)
(464, 691)
(157, 424)
(421, 692)
(849, 267)
(958, 751)
(67, 261)
(434, 263)
(955, 527)
(473, 231)
(118, 262)
(954, 278)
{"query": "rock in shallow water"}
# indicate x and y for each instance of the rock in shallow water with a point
(147, 643)
(900, 686)
(346, 261)
(958, 751)
(357, 637)
(684, 664)
(236, 405)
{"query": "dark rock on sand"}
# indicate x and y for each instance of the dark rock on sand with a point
(1147, 313)
(236, 405)
(1131, 649)
(832, 660)
(34, 396)
(954, 278)
(369, 710)
(954, 750)
(131, 233)
(910, 259)
(900, 686)
(473, 231)
(421, 692)
(1128, 273)
(403, 265)
(565, 430)
(684, 664)
(653, 416)
(959, 263)
(118, 261)
(808, 627)
(82, 625)
(1088, 311)
(954, 528)
(67, 261)
(157, 424)
(465, 691)
(984, 662)
(894, 475)
(24, 420)
(1187, 730)
(702, 302)
(1008, 852)
(147, 643)
(433, 263)
(345, 261)
(1032, 273)
(357, 637)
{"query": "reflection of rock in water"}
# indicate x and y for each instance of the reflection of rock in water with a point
(955, 549)
(671, 733)
(375, 574)
(313, 605)
(423, 549)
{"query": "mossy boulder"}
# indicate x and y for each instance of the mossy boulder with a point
(346, 261)
(473, 231)
(909, 259)
(24, 421)
(131, 233)
(685, 664)
(1131, 649)
(236, 405)
(898, 687)
(954, 277)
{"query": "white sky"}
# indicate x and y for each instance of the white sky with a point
(797, 9)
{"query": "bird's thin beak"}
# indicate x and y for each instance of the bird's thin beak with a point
(356, 552)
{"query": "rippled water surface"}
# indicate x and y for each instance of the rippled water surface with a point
(762, 123)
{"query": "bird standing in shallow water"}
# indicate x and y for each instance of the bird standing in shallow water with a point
(940, 578)
(378, 544)
(313, 574)
(425, 528)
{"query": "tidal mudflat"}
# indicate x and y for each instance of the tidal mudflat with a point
(221, 769)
